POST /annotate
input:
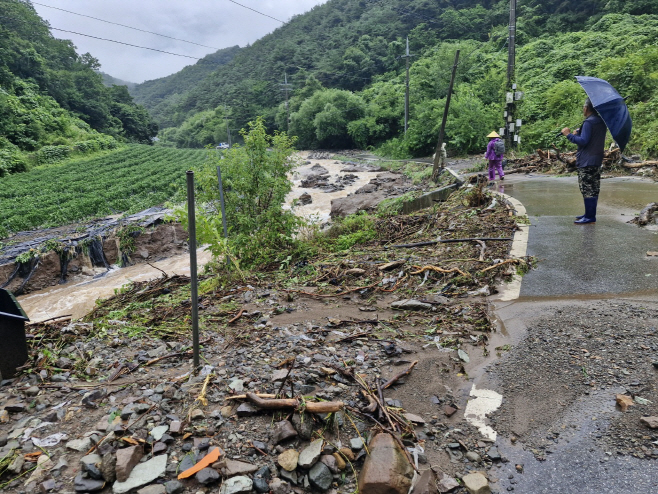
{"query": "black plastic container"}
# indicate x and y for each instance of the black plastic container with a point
(13, 345)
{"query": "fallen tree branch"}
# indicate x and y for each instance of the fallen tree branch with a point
(395, 378)
(353, 336)
(447, 241)
(438, 270)
(238, 316)
(244, 397)
(509, 261)
(308, 406)
(394, 286)
(483, 247)
(65, 316)
(372, 403)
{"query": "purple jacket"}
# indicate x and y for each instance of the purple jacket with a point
(490, 155)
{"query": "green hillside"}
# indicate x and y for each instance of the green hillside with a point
(161, 96)
(52, 97)
(343, 60)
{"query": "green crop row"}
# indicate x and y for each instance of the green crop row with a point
(131, 179)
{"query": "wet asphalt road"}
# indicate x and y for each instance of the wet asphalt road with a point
(608, 257)
(582, 262)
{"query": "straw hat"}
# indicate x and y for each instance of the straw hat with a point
(493, 134)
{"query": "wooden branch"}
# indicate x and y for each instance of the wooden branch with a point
(394, 379)
(438, 270)
(272, 404)
(447, 241)
(238, 316)
(283, 383)
(244, 397)
(65, 316)
(259, 450)
(372, 403)
(164, 275)
(309, 406)
(509, 261)
(483, 247)
(324, 406)
(353, 336)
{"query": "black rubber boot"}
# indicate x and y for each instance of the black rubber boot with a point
(590, 211)
(582, 215)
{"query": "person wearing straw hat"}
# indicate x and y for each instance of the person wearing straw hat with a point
(495, 153)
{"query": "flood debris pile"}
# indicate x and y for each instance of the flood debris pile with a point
(34, 260)
(648, 216)
(294, 411)
(339, 372)
(556, 162)
(367, 198)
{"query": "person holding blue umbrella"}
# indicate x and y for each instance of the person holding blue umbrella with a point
(590, 139)
(603, 108)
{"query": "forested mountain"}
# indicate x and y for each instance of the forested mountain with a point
(355, 46)
(110, 81)
(52, 97)
(161, 96)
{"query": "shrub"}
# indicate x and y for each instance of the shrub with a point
(255, 179)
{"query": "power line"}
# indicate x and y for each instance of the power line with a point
(122, 43)
(123, 25)
(254, 10)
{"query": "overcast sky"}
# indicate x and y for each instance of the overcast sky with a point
(215, 23)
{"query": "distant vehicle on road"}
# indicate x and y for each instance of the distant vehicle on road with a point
(223, 145)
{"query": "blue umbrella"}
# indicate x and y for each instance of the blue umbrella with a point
(611, 108)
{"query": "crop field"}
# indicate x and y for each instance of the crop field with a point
(129, 180)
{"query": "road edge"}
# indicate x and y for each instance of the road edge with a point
(512, 290)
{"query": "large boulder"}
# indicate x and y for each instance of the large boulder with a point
(387, 470)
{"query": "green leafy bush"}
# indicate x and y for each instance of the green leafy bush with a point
(347, 232)
(49, 155)
(255, 179)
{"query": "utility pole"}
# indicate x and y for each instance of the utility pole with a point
(285, 87)
(406, 94)
(228, 131)
(439, 145)
(511, 125)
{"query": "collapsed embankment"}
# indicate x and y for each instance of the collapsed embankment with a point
(36, 260)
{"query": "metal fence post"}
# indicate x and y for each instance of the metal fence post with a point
(193, 268)
(221, 200)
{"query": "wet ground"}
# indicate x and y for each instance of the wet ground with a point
(594, 288)
(608, 257)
